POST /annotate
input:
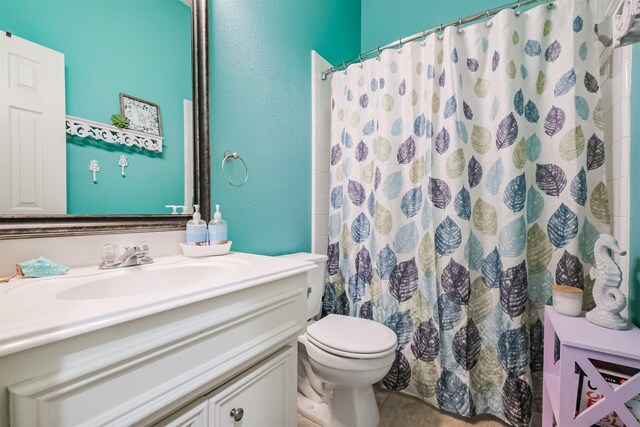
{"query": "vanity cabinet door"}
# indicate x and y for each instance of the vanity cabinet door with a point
(194, 415)
(264, 396)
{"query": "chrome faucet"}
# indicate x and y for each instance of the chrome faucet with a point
(135, 255)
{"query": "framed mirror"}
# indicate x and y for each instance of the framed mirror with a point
(104, 116)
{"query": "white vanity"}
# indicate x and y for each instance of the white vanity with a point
(178, 342)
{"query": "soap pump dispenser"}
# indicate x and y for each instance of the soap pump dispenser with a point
(217, 229)
(196, 229)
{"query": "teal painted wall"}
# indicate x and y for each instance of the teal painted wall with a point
(261, 108)
(634, 190)
(384, 21)
(139, 47)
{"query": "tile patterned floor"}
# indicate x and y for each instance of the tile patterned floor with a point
(400, 410)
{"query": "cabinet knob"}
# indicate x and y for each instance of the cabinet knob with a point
(237, 414)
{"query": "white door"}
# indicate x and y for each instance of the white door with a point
(32, 128)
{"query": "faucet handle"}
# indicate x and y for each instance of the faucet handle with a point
(141, 247)
(109, 252)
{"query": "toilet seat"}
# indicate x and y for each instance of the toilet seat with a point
(346, 364)
(352, 337)
(350, 355)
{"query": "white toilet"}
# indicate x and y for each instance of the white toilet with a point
(340, 358)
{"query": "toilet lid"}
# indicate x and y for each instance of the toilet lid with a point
(352, 335)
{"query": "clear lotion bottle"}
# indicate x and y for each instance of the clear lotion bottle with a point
(217, 229)
(196, 229)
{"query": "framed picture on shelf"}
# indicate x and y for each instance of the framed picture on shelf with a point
(144, 116)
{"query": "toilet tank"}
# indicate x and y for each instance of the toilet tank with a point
(315, 281)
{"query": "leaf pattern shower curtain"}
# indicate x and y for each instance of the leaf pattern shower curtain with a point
(467, 178)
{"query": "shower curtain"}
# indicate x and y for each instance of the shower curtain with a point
(467, 177)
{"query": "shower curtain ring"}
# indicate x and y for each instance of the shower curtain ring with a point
(423, 43)
(440, 29)
(489, 21)
(379, 53)
(460, 30)
(518, 12)
(344, 64)
(361, 60)
(400, 45)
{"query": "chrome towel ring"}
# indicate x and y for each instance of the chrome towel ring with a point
(228, 156)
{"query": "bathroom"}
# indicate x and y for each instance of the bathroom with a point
(237, 109)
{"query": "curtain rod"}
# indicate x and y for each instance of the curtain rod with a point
(423, 34)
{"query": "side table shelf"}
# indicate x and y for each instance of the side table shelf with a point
(571, 341)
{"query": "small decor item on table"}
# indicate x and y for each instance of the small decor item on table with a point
(610, 301)
(120, 121)
(143, 116)
(123, 163)
(39, 267)
(567, 300)
(94, 167)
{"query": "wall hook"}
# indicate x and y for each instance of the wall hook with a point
(123, 163)
(94, 167)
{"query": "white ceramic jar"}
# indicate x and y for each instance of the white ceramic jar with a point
(567, 300)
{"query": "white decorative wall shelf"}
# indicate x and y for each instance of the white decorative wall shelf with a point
(87, 129)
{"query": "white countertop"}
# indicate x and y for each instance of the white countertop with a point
(34, 312)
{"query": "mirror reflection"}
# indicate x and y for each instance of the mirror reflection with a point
(95, 107)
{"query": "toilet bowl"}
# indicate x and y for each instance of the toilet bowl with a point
(340, 358)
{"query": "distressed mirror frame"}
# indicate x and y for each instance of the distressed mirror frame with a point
(22, 227)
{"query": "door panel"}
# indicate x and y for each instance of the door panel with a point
(32, 128)
(265, 395)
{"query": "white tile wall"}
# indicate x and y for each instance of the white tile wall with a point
(616, 90)
(320, 146)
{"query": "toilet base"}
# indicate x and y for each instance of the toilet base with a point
(354, 407)
(318, 412)
(350, 407)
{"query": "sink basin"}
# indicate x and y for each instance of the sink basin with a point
(134, 281)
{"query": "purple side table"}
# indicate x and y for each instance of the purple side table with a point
(579, 341)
